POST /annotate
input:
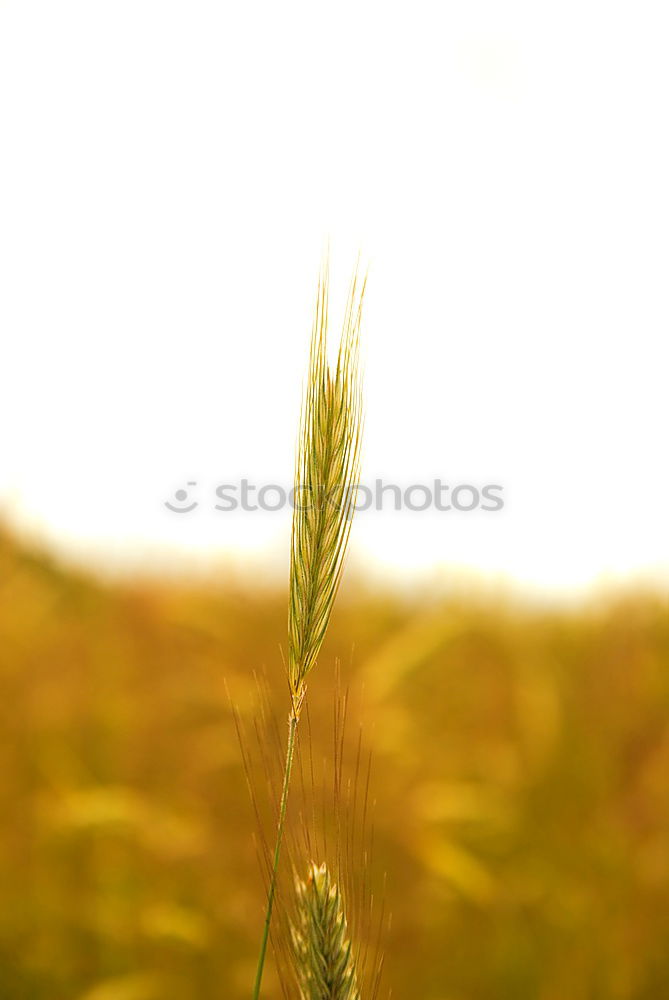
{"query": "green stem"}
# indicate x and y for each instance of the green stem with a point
(290, 750)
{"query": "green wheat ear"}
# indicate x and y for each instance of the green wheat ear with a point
(326, 475)
(324, 962)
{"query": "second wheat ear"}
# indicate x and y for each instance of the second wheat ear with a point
(324, 961)
(326, 475)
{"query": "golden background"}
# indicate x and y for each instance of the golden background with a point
(520, 772)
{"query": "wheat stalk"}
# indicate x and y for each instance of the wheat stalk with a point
(324, 962)
(326, 475)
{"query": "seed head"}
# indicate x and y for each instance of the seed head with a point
(326, 476)
(324, 962)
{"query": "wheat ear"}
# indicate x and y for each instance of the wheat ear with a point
(324, 962)
(326, 474)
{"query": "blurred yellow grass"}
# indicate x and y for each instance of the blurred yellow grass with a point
(520, 773)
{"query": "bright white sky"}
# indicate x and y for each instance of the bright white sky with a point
(169, 175)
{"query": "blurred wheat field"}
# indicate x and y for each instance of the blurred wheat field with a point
(521, 762)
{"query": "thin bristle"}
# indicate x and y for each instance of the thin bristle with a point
(324, 961)
(326, 476)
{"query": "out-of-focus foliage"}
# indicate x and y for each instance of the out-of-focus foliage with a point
(521, 774)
